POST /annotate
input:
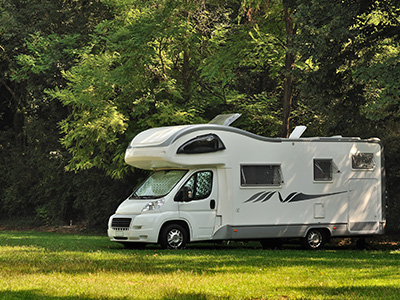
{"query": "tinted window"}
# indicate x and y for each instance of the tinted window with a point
(322, 169)
(200, 184)
(202, 144)
(260, 175)
(363, 161)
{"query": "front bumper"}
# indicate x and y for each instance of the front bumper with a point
(140, 228)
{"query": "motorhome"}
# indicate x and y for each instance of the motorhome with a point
(213, 182)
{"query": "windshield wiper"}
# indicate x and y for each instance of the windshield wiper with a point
(136, 196)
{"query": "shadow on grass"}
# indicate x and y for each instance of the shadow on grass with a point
(32, 261)
(37, 294)
(356, 292)
(38, 253)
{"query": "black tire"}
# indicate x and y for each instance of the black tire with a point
(173, 236)
(271, 243)
(315, 239)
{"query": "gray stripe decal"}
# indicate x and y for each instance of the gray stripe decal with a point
(292, 197)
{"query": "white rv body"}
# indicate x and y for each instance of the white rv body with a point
(260, 188)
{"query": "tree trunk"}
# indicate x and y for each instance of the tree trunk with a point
(186, 75)
(288, 72)
(186, 70)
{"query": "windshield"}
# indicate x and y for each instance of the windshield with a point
(158, 184)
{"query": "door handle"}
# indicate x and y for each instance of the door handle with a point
(212, 204)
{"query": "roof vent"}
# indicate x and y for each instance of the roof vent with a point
(297, 132)
(225, 120)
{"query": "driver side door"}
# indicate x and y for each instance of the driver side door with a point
(200, 207)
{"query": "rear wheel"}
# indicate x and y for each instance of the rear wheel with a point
(314, 240)
(173, 236)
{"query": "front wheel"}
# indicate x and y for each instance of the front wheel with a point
(173, 236)
(314, 240)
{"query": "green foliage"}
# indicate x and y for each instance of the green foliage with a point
(95, 124)
(46, 53)
(148, 73)
(352, 52)
(39, 41)
(378, 69)
(381, 87)
(260, 113)
(79, 79)
(324, 45)
(35, 188)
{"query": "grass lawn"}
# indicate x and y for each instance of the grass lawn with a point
(69, 266)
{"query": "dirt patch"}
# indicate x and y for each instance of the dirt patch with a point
(382, 242)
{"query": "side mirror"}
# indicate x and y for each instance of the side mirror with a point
(187, 193)
(184, 195)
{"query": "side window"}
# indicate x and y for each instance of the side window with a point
(251, 175)
(323, 169)
(363, 161)
(200, 184)
(202, 144)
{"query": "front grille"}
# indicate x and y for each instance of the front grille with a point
(121, 223)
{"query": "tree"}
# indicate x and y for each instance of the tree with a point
(339, 43)
(258, 47)
(145, 74)
(39, 40)
(168, 62)
(379, 67)
(102, 71)
(351, 51)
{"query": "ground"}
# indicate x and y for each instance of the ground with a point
(381, 242)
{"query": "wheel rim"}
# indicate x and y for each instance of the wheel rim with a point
(175, 238)
(314, 239)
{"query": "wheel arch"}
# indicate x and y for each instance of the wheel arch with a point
(324, 229)
(316, 237)
(182, 223)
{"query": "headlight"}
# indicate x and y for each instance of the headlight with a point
(153, 205)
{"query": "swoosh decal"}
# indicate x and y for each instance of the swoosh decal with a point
(292, 197)
(261, 196)
(269, 195)
(255, 196)
(302, 197)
